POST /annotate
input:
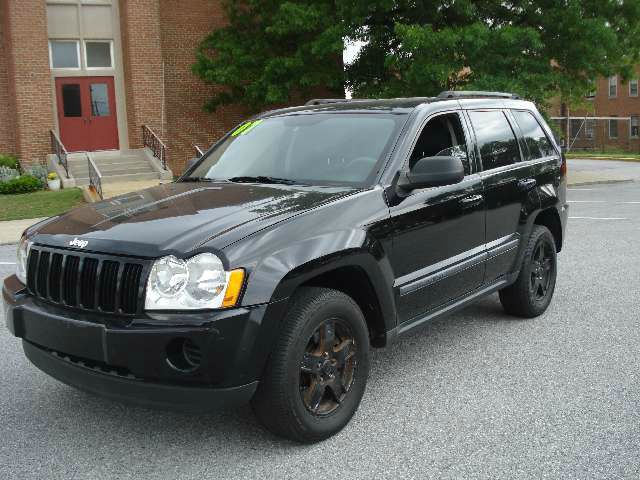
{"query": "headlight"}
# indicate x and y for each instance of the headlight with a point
(21, 264)
(198, 283)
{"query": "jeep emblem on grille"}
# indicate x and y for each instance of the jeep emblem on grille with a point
(76, 242)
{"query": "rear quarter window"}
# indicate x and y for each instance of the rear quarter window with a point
(496, 141)
(538, 145)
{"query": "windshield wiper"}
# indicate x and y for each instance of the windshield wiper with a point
(262, 179)
(197, 179)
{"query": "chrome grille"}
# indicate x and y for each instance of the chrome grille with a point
(87, 281)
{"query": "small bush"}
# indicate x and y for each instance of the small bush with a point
(23, 184)
(38, 171)
(9, 161)
(52, 176)
(7, 173)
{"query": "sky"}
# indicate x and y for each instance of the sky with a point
(349, 54)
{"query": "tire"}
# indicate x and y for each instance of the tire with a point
(532, 292)
(286, 401)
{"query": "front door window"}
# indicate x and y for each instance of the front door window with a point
(99, 100)
(71, 100)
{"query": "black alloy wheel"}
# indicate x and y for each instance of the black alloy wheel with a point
(328, 366)
(541, 266)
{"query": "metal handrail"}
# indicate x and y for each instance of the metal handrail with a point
(95, 177)
(59, 151)
(199, 151)
(159, 149)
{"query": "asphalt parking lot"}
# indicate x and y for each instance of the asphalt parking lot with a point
(476, 395)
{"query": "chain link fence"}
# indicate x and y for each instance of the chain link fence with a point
(599, 134)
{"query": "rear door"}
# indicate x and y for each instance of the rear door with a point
(509, 188)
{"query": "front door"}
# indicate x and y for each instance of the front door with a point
(438, 241)
(87, 113)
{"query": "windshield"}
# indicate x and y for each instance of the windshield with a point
(314, 149)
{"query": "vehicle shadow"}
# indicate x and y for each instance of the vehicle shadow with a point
(113, 425)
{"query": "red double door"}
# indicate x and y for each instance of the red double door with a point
(87, 113)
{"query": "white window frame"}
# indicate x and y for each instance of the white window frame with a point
(633, 81)
(631, 135)
(611, 120)
(589, 128)
(94, 40)
(77, 42)
(613, 82)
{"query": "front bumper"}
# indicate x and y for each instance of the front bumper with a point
(136, 359)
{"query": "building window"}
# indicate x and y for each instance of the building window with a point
(594, 89)
(98, 54)
(613, 86)
(576, 128)
(64, 54)
(635, 127)
(589, 127)
(633, 87)
(613, 128)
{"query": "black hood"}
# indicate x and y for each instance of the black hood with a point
(178, 218)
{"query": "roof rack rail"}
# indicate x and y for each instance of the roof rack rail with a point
(324, 101)
(476, 94)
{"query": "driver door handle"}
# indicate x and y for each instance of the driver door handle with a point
(471, 201)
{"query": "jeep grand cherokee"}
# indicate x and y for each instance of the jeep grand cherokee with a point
(300, 240)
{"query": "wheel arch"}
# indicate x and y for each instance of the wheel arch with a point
(551, 219)
(358, 275)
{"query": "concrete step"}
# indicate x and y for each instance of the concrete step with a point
(117, 173)
(114, 168)
(80, 181)
(110, 161)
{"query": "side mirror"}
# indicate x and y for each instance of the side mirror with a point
(432, 172)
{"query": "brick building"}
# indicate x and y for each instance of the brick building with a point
(609, 120)
(96, 71)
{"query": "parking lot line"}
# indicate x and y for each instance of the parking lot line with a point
(7, 263)
(598, 218)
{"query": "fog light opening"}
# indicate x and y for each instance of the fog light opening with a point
(183, 355)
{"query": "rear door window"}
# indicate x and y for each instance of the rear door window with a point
(536, 140)
(497, 143)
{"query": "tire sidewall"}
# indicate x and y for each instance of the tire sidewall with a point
(541, 235)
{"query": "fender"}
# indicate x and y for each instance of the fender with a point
(346, 233)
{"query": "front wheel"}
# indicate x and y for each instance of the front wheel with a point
(531, 293)
(317, 372)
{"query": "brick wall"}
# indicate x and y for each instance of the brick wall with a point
(185, 94)
(140, 31)
(28, 77)
(7, 115)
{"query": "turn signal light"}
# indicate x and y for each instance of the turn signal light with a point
(234, 288)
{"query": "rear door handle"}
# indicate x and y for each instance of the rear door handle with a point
(527, 184)
(471, 201)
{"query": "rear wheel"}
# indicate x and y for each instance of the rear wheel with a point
(317, 372)
(531, 293)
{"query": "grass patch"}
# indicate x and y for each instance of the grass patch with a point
(600, 156)
(39, 204)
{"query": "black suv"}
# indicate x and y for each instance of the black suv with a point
(300, 240)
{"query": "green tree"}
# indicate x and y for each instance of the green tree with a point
(536, 48)
(273, 51)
